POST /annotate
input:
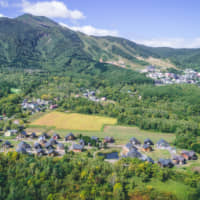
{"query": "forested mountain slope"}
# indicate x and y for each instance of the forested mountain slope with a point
(38, 42)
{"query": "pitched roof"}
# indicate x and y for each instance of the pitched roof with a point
(130, 146)
(162, 142)
(37, 145)
(52, 141)
(148, 141)
(134, 154)
(165, 162)
(136, 141)
(21, 150)
(70, 134)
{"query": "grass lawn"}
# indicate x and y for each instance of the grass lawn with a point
(121, 134)
(73, 121)
(177, 188)
(159, 153)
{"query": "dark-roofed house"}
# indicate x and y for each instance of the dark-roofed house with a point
(40, 152)
(162, 144)
(77, 148)
(82, 142)
(133, 153)
(178, 160)
(45, 135)
(33, 135)
(95, 138)
(22, 134)
(1, 140)
(128, 147)
(149, 159)
(24, 145)
(70, 136)
(37, 145)
(21, 150)
(56, 136)
(6, 145)
(147, 148)
(148, 141)
(48, 146)
(135, 141)
(52, 152)
(165, 162)
(42, 140)
(52, 141)
(109, 140)
(189, 155)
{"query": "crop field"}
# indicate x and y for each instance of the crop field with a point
(73, 121)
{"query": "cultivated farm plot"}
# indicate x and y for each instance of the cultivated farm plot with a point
(73, 121)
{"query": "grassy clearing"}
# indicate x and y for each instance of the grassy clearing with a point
(179, 189)
(159, 153)
(73, 121)
(121, 134)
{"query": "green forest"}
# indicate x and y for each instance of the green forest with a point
(75, 177)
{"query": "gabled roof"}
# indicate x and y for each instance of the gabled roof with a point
(136, 141)
(178, 158)
(48, 145)
(162, 142)
(45, 135)
(24, 145)
(69, 135)
(24, 133)
(52, 141)
(129, 146)
(37, 145)
(7, 143)
(148, 141)
(189, 153)
(33, 134)
(165, 162)
(52, 151)
(40, 151)
(134, 154)
(21, 150)
(56, 135)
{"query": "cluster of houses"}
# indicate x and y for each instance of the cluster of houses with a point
(91, 95)
(55, 146)
(162, 78)
(37, 105)
(47, 145)
(135, 149)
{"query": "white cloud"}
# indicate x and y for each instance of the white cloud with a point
(90, 30)
(172, 42)
(52, 9)
(3, 3)
(1, 15)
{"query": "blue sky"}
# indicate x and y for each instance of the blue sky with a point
(173, 23)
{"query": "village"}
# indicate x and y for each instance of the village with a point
(55, 145)
(188, 76)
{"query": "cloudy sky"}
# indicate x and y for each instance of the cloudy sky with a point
(172, 23)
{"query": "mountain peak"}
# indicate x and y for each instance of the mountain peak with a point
(36, 20)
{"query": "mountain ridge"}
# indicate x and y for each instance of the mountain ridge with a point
(38, 42)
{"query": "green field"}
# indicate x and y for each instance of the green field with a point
(121, 134)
